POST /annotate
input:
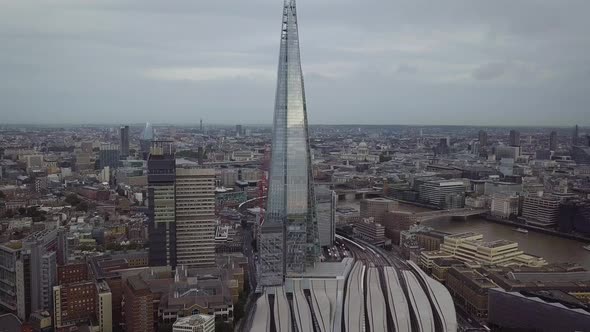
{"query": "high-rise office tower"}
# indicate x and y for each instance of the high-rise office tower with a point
(145, 140)
(162, 205)
(553, 141)
(514, 138)
(575, 136)
(124, 137)
(195, 217)
(326, 201)
(108, 155)
(289, 236)
(483, 138)
(36, 272)
(239, 130)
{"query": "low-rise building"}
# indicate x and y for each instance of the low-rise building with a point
(377, 208)
(445, 194)
(370, 231)
(397, 221)
(194, 323)
(469, 289)
(83, 302)
(544, 311)
(440, 267)
(505, 206)
(470, 246)
(541, 211)
(428, 257)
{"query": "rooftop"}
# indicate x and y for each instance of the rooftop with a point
(464, 235)
(9, 323)
(497, 243)
(137, 283)
(14, 245)
(193, 320)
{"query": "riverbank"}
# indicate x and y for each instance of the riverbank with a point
(552, 232)
(498, 220)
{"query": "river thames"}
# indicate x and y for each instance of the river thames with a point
(553, 248)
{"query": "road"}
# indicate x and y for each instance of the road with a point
(248, 251)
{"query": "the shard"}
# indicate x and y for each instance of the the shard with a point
(288, 239)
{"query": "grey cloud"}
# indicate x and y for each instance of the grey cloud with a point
(180, 60)
(490, 71)
(406, 69)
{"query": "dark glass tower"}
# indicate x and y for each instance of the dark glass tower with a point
(162, 204)
(289, 236)
(124, 137)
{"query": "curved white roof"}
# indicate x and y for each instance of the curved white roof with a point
(376, 306)
(398, 304)
(420, 303)
(281, 310)
(440, 297)
(261, 320)
(354, 304)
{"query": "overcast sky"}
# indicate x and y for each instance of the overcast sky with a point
(500, 62)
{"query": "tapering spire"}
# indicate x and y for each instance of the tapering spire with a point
(290, 214)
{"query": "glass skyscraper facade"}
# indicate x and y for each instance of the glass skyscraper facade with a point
(289, 236)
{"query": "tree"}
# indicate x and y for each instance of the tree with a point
(239, 307)
(2, 195)
(223, 327)
(83, 206)
(72, 199)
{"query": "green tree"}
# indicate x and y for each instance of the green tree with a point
(223, 327)
(72, 199)
(83, 206)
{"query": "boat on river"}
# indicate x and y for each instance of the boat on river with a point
(521, 230)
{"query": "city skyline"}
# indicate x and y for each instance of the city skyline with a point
(444, 184)
(478, 64)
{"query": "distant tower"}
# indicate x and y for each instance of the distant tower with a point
(575, 136)
(145, 140)
(514, 138)
(124, 138)
(483, 138)
(553, 141)
(289, 236)
(201, 126)
(109, 155)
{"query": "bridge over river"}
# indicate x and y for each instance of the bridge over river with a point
(454, 213)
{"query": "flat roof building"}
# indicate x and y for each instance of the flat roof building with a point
(376, 208)
(445, 194)
(469, 247)
(370, 231)
(194, 323)
(541, 211)
(537, 311)
(469, 289)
